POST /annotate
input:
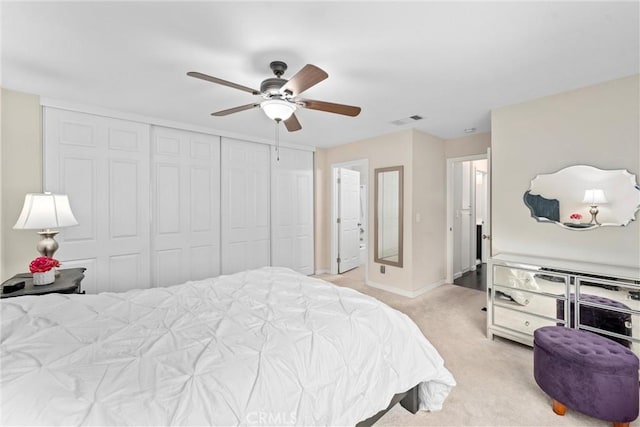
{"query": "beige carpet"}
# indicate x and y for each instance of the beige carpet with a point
(495, 377)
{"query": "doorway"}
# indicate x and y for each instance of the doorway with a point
(468, 220)
(349, 230)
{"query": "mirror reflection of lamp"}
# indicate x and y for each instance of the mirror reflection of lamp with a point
(594, 197)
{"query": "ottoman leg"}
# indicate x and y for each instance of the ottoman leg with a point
(560, 409)
(620, 424)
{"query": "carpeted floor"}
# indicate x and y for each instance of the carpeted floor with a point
(495, 377)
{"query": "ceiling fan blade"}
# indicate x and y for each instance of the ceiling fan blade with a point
(222, 82)
(310, 75)
(235, 110)
(292, 124)
(330, 107)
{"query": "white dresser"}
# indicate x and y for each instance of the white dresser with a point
(525, 293)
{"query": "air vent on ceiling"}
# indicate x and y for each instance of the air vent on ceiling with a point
(410, 119)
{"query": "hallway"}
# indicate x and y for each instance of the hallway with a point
(474, 279)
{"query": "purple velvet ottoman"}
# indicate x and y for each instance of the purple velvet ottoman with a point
(586, 372)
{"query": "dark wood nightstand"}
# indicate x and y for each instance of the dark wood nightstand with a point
(68, 282)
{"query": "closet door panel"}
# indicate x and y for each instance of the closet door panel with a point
(245, 203)
(167, 195)
(103, 165)
(123, 199)
(186, 224)
(168, 267)
(81, 192)
(292, 209)
(200, 258)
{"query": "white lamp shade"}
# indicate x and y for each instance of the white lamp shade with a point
(278, 109)
(594, 197)
(42, 211)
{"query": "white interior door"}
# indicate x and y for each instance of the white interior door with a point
(292, 210)
(245, 205)
(102, 164)
(185, 243)
(348, 220)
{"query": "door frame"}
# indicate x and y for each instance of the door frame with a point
(334, 210)
(450, 211)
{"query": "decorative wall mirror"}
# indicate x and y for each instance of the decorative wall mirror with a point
(388, 214)
(584, 197)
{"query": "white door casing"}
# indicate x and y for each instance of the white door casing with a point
(453, 212)
(102, 164)
(185, 181)
(349, 217)
(245, 205)
(292, 210)
(486, 228)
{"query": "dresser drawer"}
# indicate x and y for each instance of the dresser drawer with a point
(530, 280)
(519, 321)
(529, 302)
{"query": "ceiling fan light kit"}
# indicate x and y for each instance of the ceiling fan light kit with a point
(278, 109)
(279, 95)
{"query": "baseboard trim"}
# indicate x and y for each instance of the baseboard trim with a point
(458, 274)
(404, 292)
(322, 272)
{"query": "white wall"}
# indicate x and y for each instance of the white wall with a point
(597, 126)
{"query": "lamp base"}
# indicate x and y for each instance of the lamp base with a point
(48, 245)
(594, 214)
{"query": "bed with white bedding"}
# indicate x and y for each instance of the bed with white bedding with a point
(266, 346)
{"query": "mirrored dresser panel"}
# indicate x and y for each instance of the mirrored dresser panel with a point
(525, 293)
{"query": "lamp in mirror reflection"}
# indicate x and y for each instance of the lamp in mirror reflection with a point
(594, 198)
(45, 212)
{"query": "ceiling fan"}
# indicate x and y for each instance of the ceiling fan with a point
(280, 95)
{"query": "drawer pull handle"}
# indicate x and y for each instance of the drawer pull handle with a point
(627, 324)
(526, 323)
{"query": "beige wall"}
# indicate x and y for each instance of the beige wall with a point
(468, 145)
(21, 157)
(429, 210)
(382, 151)
(596, 125)
(423, 159)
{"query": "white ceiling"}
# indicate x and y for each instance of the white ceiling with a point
(449, 62)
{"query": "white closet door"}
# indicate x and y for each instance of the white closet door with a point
(292, 209)
(186, 206)
(103, 165)
(349, 226)
(245, 205)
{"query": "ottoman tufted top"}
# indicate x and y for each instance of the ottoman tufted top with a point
(585, 348)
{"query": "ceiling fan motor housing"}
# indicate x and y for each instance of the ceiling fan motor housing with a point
(272, 86)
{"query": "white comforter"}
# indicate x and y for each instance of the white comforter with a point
(267, 346)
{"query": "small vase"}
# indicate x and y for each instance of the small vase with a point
(45, 278)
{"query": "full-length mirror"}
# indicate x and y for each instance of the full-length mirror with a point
(388, 215)
(584, 197)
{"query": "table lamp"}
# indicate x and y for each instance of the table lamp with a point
(594, 197)
(45, 211)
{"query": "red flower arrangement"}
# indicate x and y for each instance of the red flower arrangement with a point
(43, 264)
(575, 216)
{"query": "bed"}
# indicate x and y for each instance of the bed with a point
(263, 347)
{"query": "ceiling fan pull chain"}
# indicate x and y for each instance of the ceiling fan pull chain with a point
(277, 121)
